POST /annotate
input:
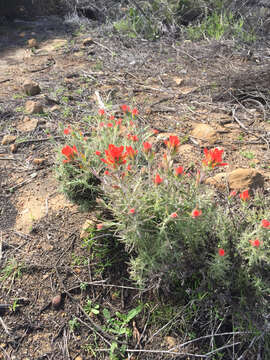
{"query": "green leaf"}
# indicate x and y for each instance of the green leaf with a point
(134, 312)
(106, 314)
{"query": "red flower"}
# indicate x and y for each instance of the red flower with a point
(98, 153)
(132, 137)
(158, 180)
(99, 226)
(255, 243)
(244, 195)
(101, 112)
(147, 147)
(179, 170)
(118, 122)
(115, 156)
(125, 108)
(265, 223)
(221, 252)
(132, 211)
(131, 152)
(233, 193)
(155, 131)
(135, 112)
(67, 130)
(195, 213)
(110, 125)
(213, 158)
(111, 118)
(174, 215)
(173, 142)
(129, 167)
(101, 124)
(106, 172)
(69, 152)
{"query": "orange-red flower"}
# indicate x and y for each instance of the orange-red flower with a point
(125, 108)
(98, 153)
(255, 243)
(135, 112)
(174, 215)
(213, 158)
(195, 213)
(131, 152)
(179, 170)
(158, 180)
(111, 118)
(101, 112)
(147, 147)
(118, 122)
(132, 137)
(99, 226)
(265, 223)
(67, 130)
(69, 152)
(233, 193)
(173, 142)
(221, 252)
(115, 156)
(132, 211)
(110, 125)
(244, 195)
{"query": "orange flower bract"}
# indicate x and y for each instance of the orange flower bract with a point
(213, 158)
(244, 195)
(115, 156)
(158, 180)
(69, 153)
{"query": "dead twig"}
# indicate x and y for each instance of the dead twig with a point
(5, 327)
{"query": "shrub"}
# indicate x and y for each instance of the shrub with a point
(175, 229)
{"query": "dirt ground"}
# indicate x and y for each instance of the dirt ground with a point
(175, 86)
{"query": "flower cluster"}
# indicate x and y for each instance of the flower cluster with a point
(70, 153)
(115, 156)
(213, 158)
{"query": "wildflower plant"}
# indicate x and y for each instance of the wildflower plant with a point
(174, 227)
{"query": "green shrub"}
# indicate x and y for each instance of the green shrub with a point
(177, 232)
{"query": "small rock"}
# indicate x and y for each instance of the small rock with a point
(88, 223)
(38, 161)
(205, 133)
(31, 88)
(8, 139)
(88, 41)
(239, 179)
(56, 301)
(27, 124)
(55, 108)
(78, 358)
(32, 43)
(33, 107)
(178, 80)
(170, 341)
(13, 148)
